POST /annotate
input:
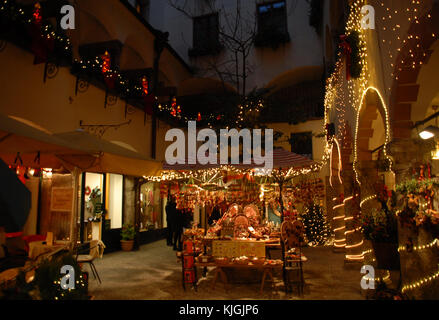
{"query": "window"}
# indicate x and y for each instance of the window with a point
(151, 207)
(142, 7)
(206, 35)
(272, 24)
(301, 143)
(115, 200)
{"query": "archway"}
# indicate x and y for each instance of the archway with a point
(415, 96)
(372, 136)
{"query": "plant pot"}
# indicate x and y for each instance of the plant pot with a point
(127, 245)
(387, 255)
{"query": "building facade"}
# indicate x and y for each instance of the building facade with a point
(378, 104)
(59, 94)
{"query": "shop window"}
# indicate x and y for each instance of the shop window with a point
(114, 200)
(151, 207)
(272, 24)
(301, 143)
(205, 35)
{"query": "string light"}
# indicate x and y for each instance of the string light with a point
(370, 198)
(420, 247)
(420, 283)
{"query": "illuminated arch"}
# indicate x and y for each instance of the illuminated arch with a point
(386, 125)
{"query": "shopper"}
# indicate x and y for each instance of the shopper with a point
(178, 230)
(171, 215)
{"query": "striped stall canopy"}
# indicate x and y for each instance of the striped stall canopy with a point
(281, 159)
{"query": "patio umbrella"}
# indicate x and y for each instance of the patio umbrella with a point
(15, 200)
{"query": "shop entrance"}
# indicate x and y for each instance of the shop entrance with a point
(101, 209)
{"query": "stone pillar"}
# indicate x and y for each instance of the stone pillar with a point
(368, 176)
(354, 237)
(338, 221)
(418, 264)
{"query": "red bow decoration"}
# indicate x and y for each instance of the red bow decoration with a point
(42, 45)
(148, 98)
(149, 103)
(347, 51)
(110, 80)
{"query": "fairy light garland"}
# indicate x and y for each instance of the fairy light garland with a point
(420, 283)
(387, 125)
(370, 198)
(432, 244)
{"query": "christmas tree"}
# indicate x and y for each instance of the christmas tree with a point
(317, 228)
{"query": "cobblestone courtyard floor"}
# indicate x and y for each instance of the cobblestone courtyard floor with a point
(153, 273)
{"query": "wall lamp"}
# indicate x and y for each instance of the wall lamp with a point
(430, 131)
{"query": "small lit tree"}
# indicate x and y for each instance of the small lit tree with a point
(317, 229)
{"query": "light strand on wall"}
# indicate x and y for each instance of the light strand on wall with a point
(370, 198)
(420, 247)
(420, 283)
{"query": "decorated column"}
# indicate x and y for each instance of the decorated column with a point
(418, 246)
(353, 235)
(368, 177)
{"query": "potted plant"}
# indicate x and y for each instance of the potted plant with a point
(380, 227)
(128, 234)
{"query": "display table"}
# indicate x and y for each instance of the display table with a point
(39, 248)
(219, 272)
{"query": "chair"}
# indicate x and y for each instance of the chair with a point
(33, 238)
(96, 250)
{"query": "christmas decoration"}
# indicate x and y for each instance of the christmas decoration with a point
(316, 227)
(48, 280)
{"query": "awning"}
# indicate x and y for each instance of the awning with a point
(69, 150)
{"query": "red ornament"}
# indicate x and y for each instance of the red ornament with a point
(36, 15)
(174, 107)
(199, 116)
(145, 86)
(42, 45)
(106, 62)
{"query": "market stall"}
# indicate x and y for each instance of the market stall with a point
(242, 235)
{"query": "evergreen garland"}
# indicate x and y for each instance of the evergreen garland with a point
(356, 66)
(48, 278)
(317, 229)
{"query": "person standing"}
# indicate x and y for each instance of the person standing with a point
(215, 215)
(178, 229)
(171, 215)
